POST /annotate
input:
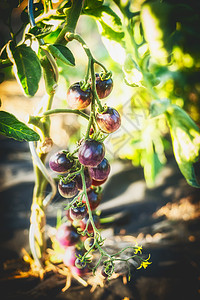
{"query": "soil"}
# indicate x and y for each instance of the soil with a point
(164, 219)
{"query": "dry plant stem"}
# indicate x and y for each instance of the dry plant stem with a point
(40, 200)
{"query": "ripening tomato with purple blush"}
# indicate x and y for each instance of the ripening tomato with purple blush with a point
(103, 86)
(109, 120)
(78, 212)
(67, 189)
(98, 182)
(67, 235)
(78, 98)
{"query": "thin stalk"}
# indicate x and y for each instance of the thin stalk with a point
(89, 125)
(93, 79)
(96, 232)
(101, 65)
(65, 110)
(30, 13)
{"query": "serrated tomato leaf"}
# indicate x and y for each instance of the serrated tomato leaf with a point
(27, 67)
(186, 142)
(11, 127)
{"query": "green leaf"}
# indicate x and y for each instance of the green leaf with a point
(27, 67)
(152, 156)
(186, 142)
(92, 4)
(61, 52)
(63, 6)
(158, 25)
(11, 127)
(110, 24)
(158, 107)
(41, 32)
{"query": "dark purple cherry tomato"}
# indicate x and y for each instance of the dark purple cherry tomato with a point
(80, 264)
(108, 121)
(101, 171)
(91, 153)
(83, 223)
(78, 212)
(69, 189)
(93, 198)
(88, 180)
(70, 256)
(60, 163)
(77, 98)
(67, 235)
(98, 182)
(80, 272)
(104, 87)
(106, 272)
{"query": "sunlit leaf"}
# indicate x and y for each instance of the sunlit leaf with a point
(91, 4)
(109, 23)
(11, 127)
(158, 26)
(152, 156)
(41, 32)
(27, 67)
(158, 107)
(63, 6)
(186, 142)
(61, 52)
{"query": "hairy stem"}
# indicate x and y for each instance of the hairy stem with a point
(72, 16)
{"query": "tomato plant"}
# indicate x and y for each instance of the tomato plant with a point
(149, 45)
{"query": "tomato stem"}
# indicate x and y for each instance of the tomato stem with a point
(61, 111)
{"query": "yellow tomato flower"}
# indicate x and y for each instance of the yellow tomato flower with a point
(145, 263)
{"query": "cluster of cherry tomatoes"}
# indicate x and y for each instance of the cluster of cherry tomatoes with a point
(91, 157)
